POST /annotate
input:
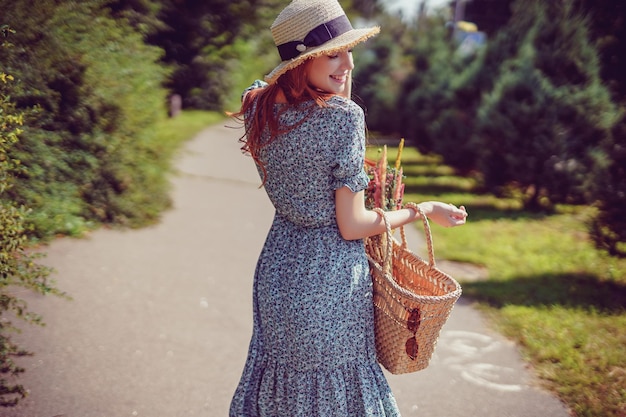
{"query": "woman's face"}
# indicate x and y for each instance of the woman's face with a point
(330, 73)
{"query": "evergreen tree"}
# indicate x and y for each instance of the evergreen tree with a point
(455, 118)
(363, 8)
(427, 91)
(543, 125)
(444, 92)
(377, 78)
(489, 15)
(609, 32)
(608, 29)
(608, 229)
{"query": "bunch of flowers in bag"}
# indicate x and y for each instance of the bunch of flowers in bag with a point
(385, 189)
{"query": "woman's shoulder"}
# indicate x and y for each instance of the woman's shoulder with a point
(344, 106)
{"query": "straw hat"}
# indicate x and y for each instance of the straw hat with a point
(310, 28)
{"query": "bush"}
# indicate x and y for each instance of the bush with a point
(17, 266)
(92, 95)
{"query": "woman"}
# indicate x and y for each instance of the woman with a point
(312, 351)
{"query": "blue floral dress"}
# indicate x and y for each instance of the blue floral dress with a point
(312, 352)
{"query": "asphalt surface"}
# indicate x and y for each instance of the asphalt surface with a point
(161, 317)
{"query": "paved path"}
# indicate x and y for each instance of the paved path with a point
(161, 317)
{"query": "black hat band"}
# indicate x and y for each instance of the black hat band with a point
(316, 37)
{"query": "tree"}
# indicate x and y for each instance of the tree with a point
(364, 8)
(426, 90)
(489, 15)
(608, 30)
(441, 96)
(608, 229)
(200, 43)
(543, 125)
(378, 78)
(140, 14)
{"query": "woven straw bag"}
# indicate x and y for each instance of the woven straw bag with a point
(412, 300)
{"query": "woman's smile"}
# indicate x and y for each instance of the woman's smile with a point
(340, 78)
(330, 73)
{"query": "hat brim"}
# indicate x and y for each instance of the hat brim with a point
(345, 40)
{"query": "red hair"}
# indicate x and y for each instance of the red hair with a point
(257, 109)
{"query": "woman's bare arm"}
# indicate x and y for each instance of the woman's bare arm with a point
(356, 222)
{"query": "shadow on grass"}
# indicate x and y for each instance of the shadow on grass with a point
(572, 291)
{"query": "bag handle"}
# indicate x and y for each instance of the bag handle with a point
(428, 234)
(388, 242)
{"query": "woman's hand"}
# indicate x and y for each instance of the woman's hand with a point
(446, 215)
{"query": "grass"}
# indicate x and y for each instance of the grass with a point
(175, 131)
(561, 300)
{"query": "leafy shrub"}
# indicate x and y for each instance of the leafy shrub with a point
(91, 91)
(18, 268)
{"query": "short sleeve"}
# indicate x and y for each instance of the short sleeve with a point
(348, 169)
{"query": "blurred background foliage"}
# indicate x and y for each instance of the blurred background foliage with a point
(535, 111)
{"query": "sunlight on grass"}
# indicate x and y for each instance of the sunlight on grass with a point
(577, 352)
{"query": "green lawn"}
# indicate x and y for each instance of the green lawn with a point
(174, 131)
(562, 301)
